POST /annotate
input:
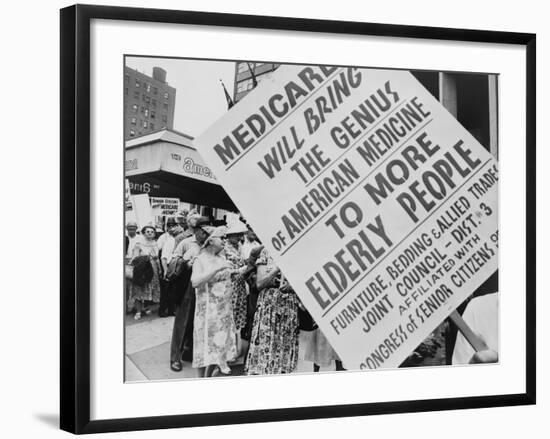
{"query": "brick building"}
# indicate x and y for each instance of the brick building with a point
(243, 78)
(149, 102)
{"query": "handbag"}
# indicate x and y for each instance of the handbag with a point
(175, 268)
(142, 270)
(305, 321)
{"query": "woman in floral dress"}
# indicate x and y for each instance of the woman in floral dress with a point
(274, 340)
(150, 292)
(234, 253)
(214, 328)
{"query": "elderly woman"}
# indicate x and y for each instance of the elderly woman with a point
(214, 327)
(149, 291)
(274, 339)
(239, 293)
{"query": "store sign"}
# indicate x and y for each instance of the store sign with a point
(187, 162)
(378, 206)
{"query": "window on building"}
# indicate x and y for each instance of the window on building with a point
(133, 120)
(132, 133)
(126, 79)
(152, 126)
(166, 95)
(146, 112)
(147, 99)
(164, 118)
(244, 85)
(152, 114)
(148, 87)
(155, 90)
(135, 108)
(136, 94)
(137, 84)
(165, 106)
(144, 124)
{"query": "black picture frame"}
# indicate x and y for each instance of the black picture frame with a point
(75, 217)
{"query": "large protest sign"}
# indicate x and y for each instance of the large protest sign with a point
(378, 206)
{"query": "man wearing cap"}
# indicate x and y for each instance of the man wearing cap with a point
(181, 345)
(166, 244)
(131, 239)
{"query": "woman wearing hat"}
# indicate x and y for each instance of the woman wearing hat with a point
(150, 291)
(274, 339)
(214, 328)
(234, 254)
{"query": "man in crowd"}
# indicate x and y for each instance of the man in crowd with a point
(133, 237)
(130, 241)
(166, 244)
(181, 346)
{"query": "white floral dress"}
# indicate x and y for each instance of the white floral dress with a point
(214, 327)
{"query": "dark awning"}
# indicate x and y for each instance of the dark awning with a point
(189, 190)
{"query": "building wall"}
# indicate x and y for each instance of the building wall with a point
(149, 103)
(243, 78)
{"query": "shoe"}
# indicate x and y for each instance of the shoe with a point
(137, 316)
(176, 366)
(217, 372)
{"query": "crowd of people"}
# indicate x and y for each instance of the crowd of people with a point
(231, 303)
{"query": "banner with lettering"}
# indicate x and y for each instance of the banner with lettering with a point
(378, 206)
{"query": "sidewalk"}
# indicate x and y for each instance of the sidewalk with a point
(147, 354)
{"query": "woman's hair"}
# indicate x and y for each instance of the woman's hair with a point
(144, 228)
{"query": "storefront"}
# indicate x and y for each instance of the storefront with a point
(165, 164)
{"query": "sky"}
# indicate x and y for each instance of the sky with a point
(200, 100)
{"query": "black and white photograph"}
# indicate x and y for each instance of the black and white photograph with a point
(278, 218)
(275, 219)
(302, 219)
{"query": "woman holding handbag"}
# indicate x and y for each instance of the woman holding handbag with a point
(274, 340)
(149, 290)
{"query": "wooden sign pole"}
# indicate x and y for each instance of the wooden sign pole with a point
(477, 343)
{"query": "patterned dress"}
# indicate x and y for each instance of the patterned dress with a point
(274, 340)
(238, 288)
(214, 328)
(151, 290)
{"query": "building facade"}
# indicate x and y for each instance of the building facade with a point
(470, 97)
(243, 78)
(165, 164)
(149, 102)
